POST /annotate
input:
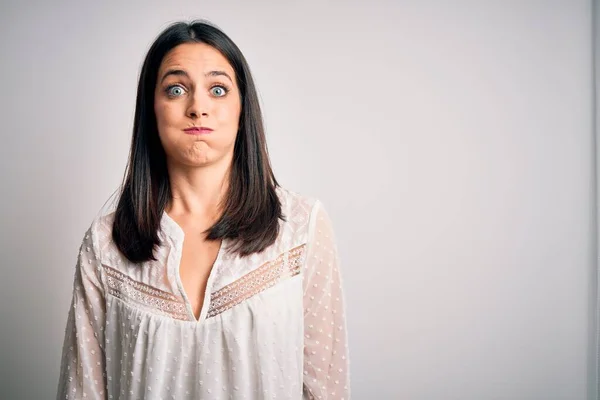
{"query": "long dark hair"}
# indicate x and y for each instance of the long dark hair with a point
(251, 207)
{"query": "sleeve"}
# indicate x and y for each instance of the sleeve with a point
(82, 370)
(326, 362)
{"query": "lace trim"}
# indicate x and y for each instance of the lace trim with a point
(125, 288)
(286, 265)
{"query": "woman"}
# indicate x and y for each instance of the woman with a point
(209, 280)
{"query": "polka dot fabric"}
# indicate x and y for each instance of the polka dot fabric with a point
(272, 325)
(326, 372)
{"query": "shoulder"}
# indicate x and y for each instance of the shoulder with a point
(89, 259)
(99, 234)
(303, 214)
(295, 204)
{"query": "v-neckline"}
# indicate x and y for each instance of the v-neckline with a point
(175, 265)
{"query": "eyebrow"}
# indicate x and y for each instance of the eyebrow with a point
(180, 72)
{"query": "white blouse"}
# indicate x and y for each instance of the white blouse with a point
(272, 325)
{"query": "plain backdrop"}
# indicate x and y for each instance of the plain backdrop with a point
(452, 143)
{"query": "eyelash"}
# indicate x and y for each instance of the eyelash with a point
(221, 85)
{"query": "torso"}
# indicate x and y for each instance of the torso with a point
(197, 259)
(252, 336)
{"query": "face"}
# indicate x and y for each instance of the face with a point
(196, 87)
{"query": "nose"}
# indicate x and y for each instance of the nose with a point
(198, 106)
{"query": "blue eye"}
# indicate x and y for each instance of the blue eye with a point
(218, 91)
(175, 91)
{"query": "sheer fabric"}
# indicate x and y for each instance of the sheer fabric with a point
(272, 324)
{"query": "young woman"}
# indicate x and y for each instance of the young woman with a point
(209, 280)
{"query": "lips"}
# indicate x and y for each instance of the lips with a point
(198, 130)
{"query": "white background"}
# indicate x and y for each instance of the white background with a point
(452, 143)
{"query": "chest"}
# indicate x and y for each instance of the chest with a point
(197, 259)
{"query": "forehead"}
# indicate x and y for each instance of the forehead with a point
(195, 58)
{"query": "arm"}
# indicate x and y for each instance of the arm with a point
(82, 371)
(326, 364)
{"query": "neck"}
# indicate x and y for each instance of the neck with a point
(197, 192)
